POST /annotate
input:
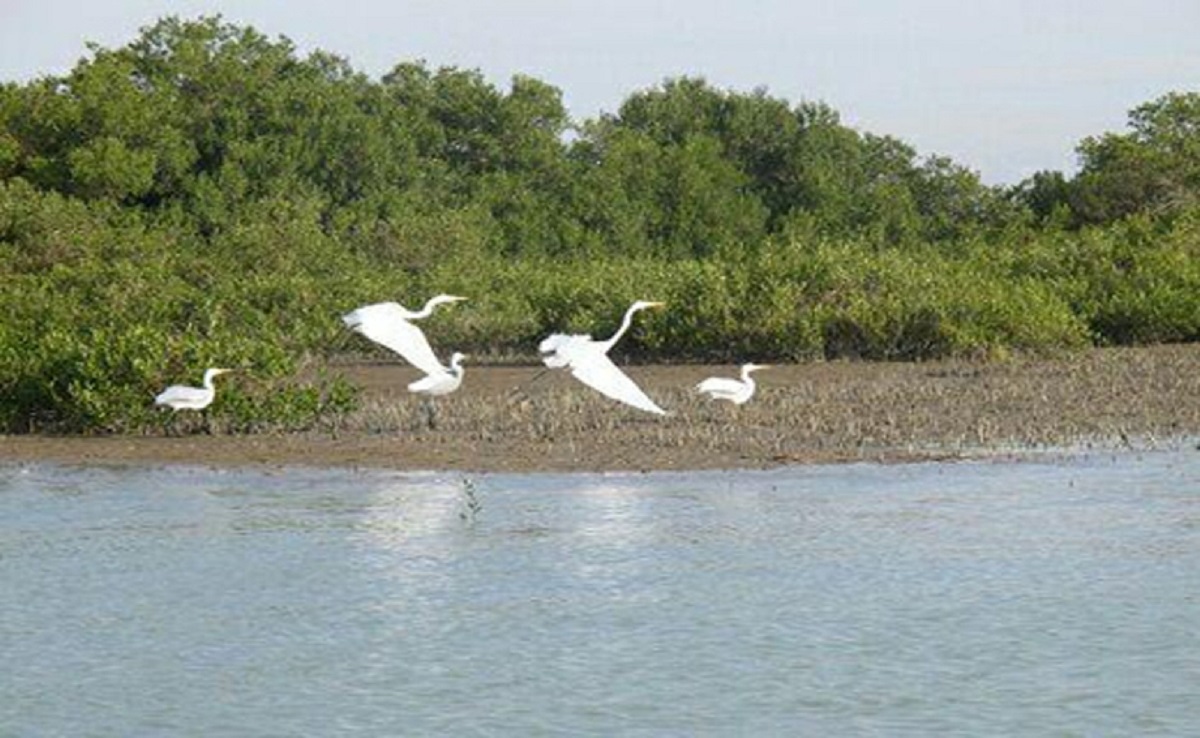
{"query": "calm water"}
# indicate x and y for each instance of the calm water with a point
(1058, 596)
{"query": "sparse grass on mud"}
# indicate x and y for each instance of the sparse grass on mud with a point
(505, 420)
(837, 409)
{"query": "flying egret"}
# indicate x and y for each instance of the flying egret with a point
(737, 391)
(588, 360)
(442, 382)
(183, 397)
(387, 323)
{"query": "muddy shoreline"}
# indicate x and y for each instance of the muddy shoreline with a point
(510, 419)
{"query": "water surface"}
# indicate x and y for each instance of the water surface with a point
(1054, 596)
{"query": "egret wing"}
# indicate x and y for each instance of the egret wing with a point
(560, 349)
(385, 324)
(180, 395)
(719, 385)
(601, 374)
(429, 382)
(442, 383)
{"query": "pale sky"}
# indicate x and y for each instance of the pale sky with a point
(1004, 87)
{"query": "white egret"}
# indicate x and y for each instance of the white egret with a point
(588, 360)
(387, 323)
(737, 391)
(183, 397)
(442, 382)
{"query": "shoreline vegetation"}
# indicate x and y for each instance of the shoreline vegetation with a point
(504, 420)
(206, 196)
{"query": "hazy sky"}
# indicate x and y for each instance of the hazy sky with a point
(1004, 87)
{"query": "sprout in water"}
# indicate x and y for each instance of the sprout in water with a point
(471, 504)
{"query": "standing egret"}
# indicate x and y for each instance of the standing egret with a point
(387, 323)
(442, 382)
(737, 391)
(183, 397)
(588, 360)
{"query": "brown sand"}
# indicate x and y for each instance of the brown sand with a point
(504, 419)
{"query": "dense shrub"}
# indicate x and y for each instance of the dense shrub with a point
(206, 197)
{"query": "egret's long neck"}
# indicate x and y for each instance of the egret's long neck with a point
(625, 323)
(208, 379)
(456, 365)
(424, 312)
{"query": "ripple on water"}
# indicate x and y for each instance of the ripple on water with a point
(1040, 597)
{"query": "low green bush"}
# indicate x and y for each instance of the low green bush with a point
(127, 306)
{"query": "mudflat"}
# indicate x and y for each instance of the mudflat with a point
(521, 418)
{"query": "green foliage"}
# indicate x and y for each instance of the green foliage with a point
(1153, 169)
(204, 196)
(789, 300)
(122, 311)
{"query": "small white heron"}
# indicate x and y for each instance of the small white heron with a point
(737, 391)
(387, 323)
(588, 361)
(442, 382)
(183, 397)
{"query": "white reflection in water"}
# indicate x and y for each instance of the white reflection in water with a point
(612, 514)
(407, 511)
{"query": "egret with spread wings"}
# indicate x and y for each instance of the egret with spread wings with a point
(388, 324)
(588, 361)
(734, 390)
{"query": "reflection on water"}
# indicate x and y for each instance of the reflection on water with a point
(1049, 597)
